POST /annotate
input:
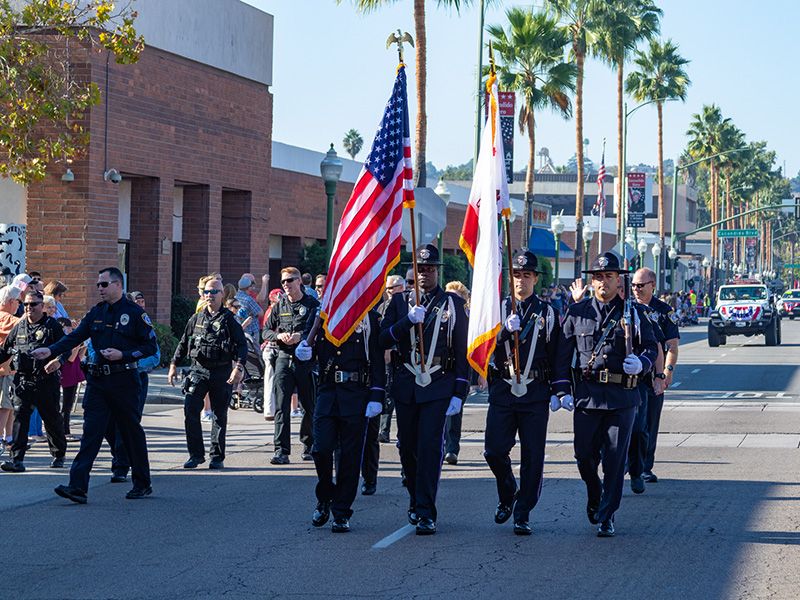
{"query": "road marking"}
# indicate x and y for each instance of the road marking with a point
(711, 361)
(695, 371)
(723, 355)
(676, 384)
(392, 538)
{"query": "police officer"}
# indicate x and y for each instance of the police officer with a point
(521, 408)
(426, 392)
(36, 382)
(350, 392)
(213, 339)
(121, 333)
(285, 326)
(644, 286)
(603, 383)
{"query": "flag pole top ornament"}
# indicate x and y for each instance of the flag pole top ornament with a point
(398, 38)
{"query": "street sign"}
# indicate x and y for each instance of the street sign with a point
(791, 266)
(729, 233)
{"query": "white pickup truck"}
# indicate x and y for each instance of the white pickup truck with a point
(744, 308)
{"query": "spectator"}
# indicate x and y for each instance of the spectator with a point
(9, 299)
(269, 352)
(50, 307)
(249, 305)
(71, 377)
(452, 424)
(57, 290)
(228, 293)
(307, 279)
(319, 285)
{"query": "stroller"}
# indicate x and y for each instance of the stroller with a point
(250, 393)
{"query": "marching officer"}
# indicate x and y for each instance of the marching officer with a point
(36, 382)
(426, 392)
(350, 392)
(122, 334)
(521, 407)
(213, 339)
(602, 387)
(284, 327)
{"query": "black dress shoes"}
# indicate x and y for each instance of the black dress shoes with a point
(522, 528)
(216, 464)
(591, 512)
(606, 528)
(426, 526)
(13, 466)
(321, 514)
(637, 485)
(279, 459)
(413, 518)
(71, 493)
(451, 458)
(119, 478)
(649, 477)
(341, 525)
(139, 493)
(503, 513)
(58, 463)
(193, 462)
(369, 488)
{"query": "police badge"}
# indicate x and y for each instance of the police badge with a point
(302, 311)
(445, 316)
(39, 335)
(124, 319)
(522, 260)
(424, 254)
(216, 325)
(602, 261)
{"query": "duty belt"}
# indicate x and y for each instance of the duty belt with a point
(347, 377)
(99, 370)
(605, 376)
(537, 373)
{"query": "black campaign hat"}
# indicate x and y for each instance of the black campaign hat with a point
(428, 255)
(608, 261)
(525, 260)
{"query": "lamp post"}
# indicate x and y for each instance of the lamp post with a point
(331, 170)
(656, 250)
(706, 264)
(557, 228)
(642, 248)
(443, 193)
(588, 234)
(672, 254)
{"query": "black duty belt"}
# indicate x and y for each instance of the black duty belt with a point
(36, 376)
(214, 364)
(605, 376)
(347, 377)
(100, 370)
(537, 373)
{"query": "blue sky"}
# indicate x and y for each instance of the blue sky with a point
(332, 72)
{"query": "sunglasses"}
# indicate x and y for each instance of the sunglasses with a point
(639, 286)
(289, 280)
(31, 304)
(105, 284)
(212, 292)
(319, 287)
(410, 281)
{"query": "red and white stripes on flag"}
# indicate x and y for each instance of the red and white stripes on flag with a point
(368, 241)
(599, 207)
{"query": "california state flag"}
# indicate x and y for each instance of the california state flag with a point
(479, 238)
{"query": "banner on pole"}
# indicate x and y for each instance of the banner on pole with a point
(637, 199)
(506, 102)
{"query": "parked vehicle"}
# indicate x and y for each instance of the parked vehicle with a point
(788, 305)
(744, 308)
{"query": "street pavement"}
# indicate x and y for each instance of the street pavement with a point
(722, 522)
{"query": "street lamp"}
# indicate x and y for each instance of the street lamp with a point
(557, 228)
(443, 193)
(331, 170)
(588, 234)
(656, 250)
(642, 247)
(672, 254)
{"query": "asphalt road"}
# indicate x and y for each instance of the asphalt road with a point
(722, 522)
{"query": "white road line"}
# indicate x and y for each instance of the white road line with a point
(392, 538)
(676, 384)
(695, 371)
(711, 361)
(723, 355)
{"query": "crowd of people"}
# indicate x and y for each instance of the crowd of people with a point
(407, 360)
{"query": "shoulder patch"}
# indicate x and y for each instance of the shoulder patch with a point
(673, 317)
(146, 319)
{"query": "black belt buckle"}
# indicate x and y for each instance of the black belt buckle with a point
(106, 369)
(602, 376)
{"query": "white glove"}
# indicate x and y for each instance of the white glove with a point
(303, 351)
(454, 408)
(512, 322)
(373, 409)
(568, 402)
(632, 365)
(555, 403)
(416, 314)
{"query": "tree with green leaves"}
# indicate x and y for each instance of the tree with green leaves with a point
(531, 63)
(352, 142)
(584, 21)
(44, 102)
(421, 73)
(626, 23)
(660, 76)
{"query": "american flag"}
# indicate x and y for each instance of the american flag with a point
(599, 207)
(368, 240)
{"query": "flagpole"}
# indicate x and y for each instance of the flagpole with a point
(601, 213)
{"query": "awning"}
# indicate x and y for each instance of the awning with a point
(543, 243)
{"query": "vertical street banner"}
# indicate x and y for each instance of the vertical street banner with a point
(637, 194)
(750, 252)
(506, 102)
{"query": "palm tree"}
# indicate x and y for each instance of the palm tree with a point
(583, 20)
(352, 143)
(660, 76)
(531, 63)
(421, 50)
(627, 22)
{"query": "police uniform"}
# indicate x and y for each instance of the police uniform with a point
(605, 397)
(290, 374)
(112, 391)
(668, 322)
(350, 376)
(32, 387)
(524, 412)
(213, 342)
(420, 409)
